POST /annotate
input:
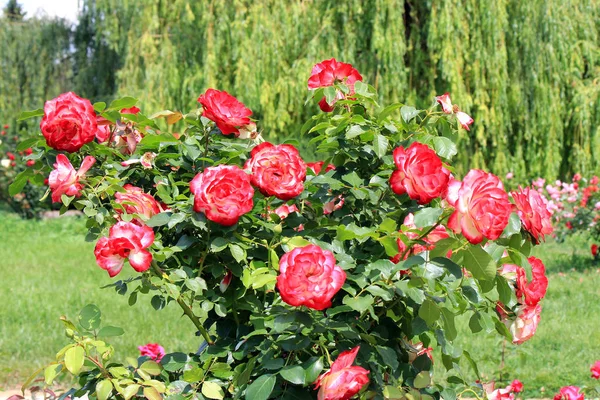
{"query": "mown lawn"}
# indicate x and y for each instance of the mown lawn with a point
(48, 270)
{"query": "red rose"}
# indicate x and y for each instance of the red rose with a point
(153, 350)
(517, 386)
(343, 380)
(420, 173)
(135, 201)
(594, 249)
(103, 131)
(30, 163)
(65, 180)
(29, 151)
(69, 122)
(222, 193)
(130, 110)
(309, 277)
(125, 241)
(438, 233)
(595, 370)
(534, 291)
(523, 327)
(532, 208)
(316, 167)
(569, 393)
(595, 180)
(277, 170)
(482, 206)
(226, 111)
(10, 155)
(330, 72)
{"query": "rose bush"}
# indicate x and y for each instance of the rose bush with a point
(303, 281)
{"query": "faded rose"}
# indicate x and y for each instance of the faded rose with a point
(228, 113)
(525, 324)
(223, 193)
(533, 211)
(135, 201)
(482, 206)
(569, 393)
(463, 118)
(69, 122)
(420, 173)
(343, 380)
(308, 276)
(328, 73)
(153, 350)
(65, 180)
(277, 170)
(125, 241)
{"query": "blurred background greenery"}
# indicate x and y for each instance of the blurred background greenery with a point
(527, 71)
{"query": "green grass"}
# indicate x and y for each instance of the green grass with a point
(48, 270)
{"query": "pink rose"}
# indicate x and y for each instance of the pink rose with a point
(153, 350)
(228, 113)
(277, 170)
(343, 380)
(223, 193)
(534, 291)
(69, 122)
(482, 206)
(333, 205)
(104, 130)
(125, 241)
(595, 370)
(328, 73)
(420, 173)
(569, 393)
(284, 210)
(517, 386)
(309, 277)
(525, 324)
(447, 106)
(135, 201)
(532, 208)
(65, 180)
(576, 178)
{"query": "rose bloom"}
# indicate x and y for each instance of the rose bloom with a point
(343, 380)
(501, 394)
(316, 167)
(437, 234)
(482, 206)
(29, 151)
(309, 277)
(594, 249)
(69, 122)
(125, 241)
(103, 131)
(284, 210)
(223, 193)
(153, 350)
(534, 291)
(135, 201)
(277, 170)
(328, 73)
(420, 173)
(10, 156)
(65, 180)
(517, 386)
(333, 205)
(595, 180)
(227, 112)
(532, 208)
(30, 163)
(463, 118)
(569, 393)
(226, 281)
(595, 370)
(577, 177)
(130, 110)
(525, 324)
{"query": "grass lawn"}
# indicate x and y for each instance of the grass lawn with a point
(49, 270)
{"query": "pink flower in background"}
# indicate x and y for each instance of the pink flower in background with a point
(445, 102)
(343, 380)
(577, 177)
(569, 393)
(595, 370)
(539, 182)
(153, 350)
(125, 241)
(65, 180)
(509, 176)
(517, 386)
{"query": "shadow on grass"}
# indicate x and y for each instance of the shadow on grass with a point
(571, 255)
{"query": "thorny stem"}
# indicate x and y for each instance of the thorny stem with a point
(186, 309)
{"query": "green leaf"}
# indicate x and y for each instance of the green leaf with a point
(151, 367)
(444, 147)
(212, 390)
(427, 217)
(294, 374)
(237, 252)
(353, 179)
(27, 143)
(380, 145)
(108, 331)
(312, 368)
(51, 372)
(422, 380)
(388, 110)
(103, 389)
(389, 357)
(159, 219)
(478, 262)
(193, 375)
(359, 304)
(514, 225)
(449, 326)
(151, 393)
(408, 113)
(74, 359)
(429, 312)
(124, 102)
(30, 114)
(90, 317)
(130, 391)
(261, 388)
(99, 106)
